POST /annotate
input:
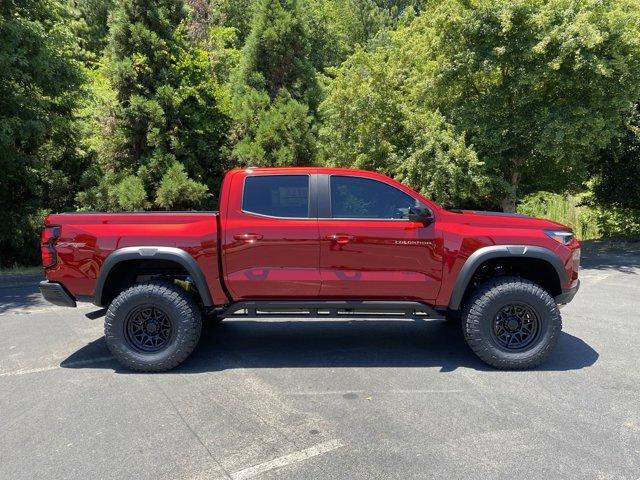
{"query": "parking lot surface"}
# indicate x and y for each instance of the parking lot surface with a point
(314, 399)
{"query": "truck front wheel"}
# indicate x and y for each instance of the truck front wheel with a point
(152, 327)
(511, 323)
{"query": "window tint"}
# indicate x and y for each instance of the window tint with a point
(354, 197)
(277, 195)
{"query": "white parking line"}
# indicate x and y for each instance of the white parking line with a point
(280, 462)
(372, 392)
(79, 363)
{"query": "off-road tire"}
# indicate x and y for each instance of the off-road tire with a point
(484, 305)
(178, 306)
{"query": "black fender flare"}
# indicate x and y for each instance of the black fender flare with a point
(153, 253)
(501, 251)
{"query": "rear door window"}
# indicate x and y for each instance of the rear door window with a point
(285, 196)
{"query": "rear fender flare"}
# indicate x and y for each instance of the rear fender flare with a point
(153, 253)
(483, 254)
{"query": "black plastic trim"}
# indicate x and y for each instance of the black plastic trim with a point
(313, 196)
(324, 196)
(219, 261)
(156, 253)
(329, 308)
(55, 293)
(567, 294)
(501, 251)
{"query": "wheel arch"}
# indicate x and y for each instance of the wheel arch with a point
(508, 253)
(169, 254)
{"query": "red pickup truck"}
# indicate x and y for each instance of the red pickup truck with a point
(313, 242)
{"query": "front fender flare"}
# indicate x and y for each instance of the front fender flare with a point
(155, 253)
(501, 251)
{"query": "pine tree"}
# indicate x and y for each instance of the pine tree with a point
(166, 113)
(275, 89)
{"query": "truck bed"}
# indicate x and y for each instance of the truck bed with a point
(87, 239)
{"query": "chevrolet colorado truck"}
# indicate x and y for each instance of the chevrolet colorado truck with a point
(313, 242)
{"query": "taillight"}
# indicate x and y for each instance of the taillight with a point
(48, 236)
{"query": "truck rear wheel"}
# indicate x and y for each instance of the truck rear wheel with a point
(511, 323)
(152, 327)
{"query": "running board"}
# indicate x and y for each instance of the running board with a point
(329, 309)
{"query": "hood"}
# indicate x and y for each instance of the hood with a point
(517, 220)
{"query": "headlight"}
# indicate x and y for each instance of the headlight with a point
(561, 236)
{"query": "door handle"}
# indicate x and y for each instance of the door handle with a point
(340, 238)
(248, 237)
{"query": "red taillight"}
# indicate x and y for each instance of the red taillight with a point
(48, 252)
(49, 256)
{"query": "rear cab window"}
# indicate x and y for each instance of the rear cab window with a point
(283, 196)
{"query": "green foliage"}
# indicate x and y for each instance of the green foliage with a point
(166, 108)
(337, 27)
(129, 194)
(565, 209)
(275, 89)
(587, 219)
(130, 104)
(618, 222)
(618, 169)
(90, 26)
(39, 88)
(440, 165)
(277, 133)
(372, 122)
(235, 14)
(276, 54)
(178, 191)
(538, 85)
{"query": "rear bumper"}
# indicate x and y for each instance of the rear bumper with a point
(567, 294)
(56, 294)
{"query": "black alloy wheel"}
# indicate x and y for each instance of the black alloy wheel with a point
(148, 328)
(515, 326)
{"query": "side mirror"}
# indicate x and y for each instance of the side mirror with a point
(420, 215)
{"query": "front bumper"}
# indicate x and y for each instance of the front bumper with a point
(567, 294)
(56, 294)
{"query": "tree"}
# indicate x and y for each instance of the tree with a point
(275, 91)
(276, 54)
(89, 23)
(274, 133)
(539, 86)
(165, 108)
(39, 89)
(371, 120)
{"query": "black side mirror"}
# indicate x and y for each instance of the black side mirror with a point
(421, 215)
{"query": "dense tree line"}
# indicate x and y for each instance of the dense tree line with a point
(139, 104)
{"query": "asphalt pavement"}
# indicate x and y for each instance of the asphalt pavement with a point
(316, 399)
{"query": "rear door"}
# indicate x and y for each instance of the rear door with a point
(368, 247)
(271, 245)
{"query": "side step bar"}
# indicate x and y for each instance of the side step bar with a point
(329, 309)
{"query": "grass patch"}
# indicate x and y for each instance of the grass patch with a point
(588, 222)
(20, 271)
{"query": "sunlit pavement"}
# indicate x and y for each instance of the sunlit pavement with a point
(325, 399)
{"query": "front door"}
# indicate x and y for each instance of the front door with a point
(368, 248)
(271, 244)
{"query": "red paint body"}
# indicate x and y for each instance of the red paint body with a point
(285, 258)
